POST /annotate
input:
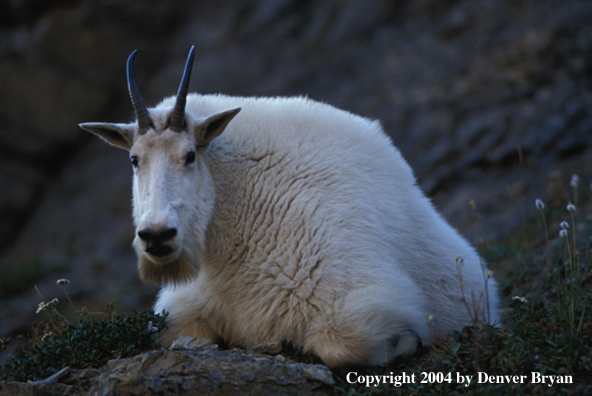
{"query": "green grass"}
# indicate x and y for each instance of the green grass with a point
(91, 342)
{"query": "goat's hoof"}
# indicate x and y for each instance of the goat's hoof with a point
(406, 343)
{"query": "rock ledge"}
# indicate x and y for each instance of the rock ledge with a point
(191, 366)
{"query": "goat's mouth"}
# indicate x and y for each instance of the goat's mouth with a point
(160, 253)
(160, 246)
(158, 250)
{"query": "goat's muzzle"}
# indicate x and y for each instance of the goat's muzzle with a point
(156, 241)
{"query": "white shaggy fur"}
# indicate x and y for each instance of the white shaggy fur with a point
(300, 223)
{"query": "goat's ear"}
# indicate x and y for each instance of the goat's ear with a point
(119, 135)
(214, 125)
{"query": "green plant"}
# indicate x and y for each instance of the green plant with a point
(90, 343)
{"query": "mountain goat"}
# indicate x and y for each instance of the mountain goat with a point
(270, 220)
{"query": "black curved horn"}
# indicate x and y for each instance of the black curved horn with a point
(177, 121)
(137, 102)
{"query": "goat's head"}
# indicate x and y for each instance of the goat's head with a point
(173, 194)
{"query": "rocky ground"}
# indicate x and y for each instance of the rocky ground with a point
(487, 99)
(191, 366)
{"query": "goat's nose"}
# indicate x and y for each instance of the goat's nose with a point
(157, 237)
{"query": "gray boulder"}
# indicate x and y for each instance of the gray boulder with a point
(190, 367)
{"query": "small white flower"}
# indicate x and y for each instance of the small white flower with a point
(52, 303)
(563, 233)
(41, 307)
(564, 225)
(521, 299)
(62, 282)
(571, 207)
(539, 204)
(575, 181)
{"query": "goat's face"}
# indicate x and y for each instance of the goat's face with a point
(173, 193)
(169, 176)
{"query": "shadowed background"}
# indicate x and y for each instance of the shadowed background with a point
(487, 100)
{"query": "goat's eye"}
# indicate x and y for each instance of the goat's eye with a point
(134, 160)
(190, 158)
